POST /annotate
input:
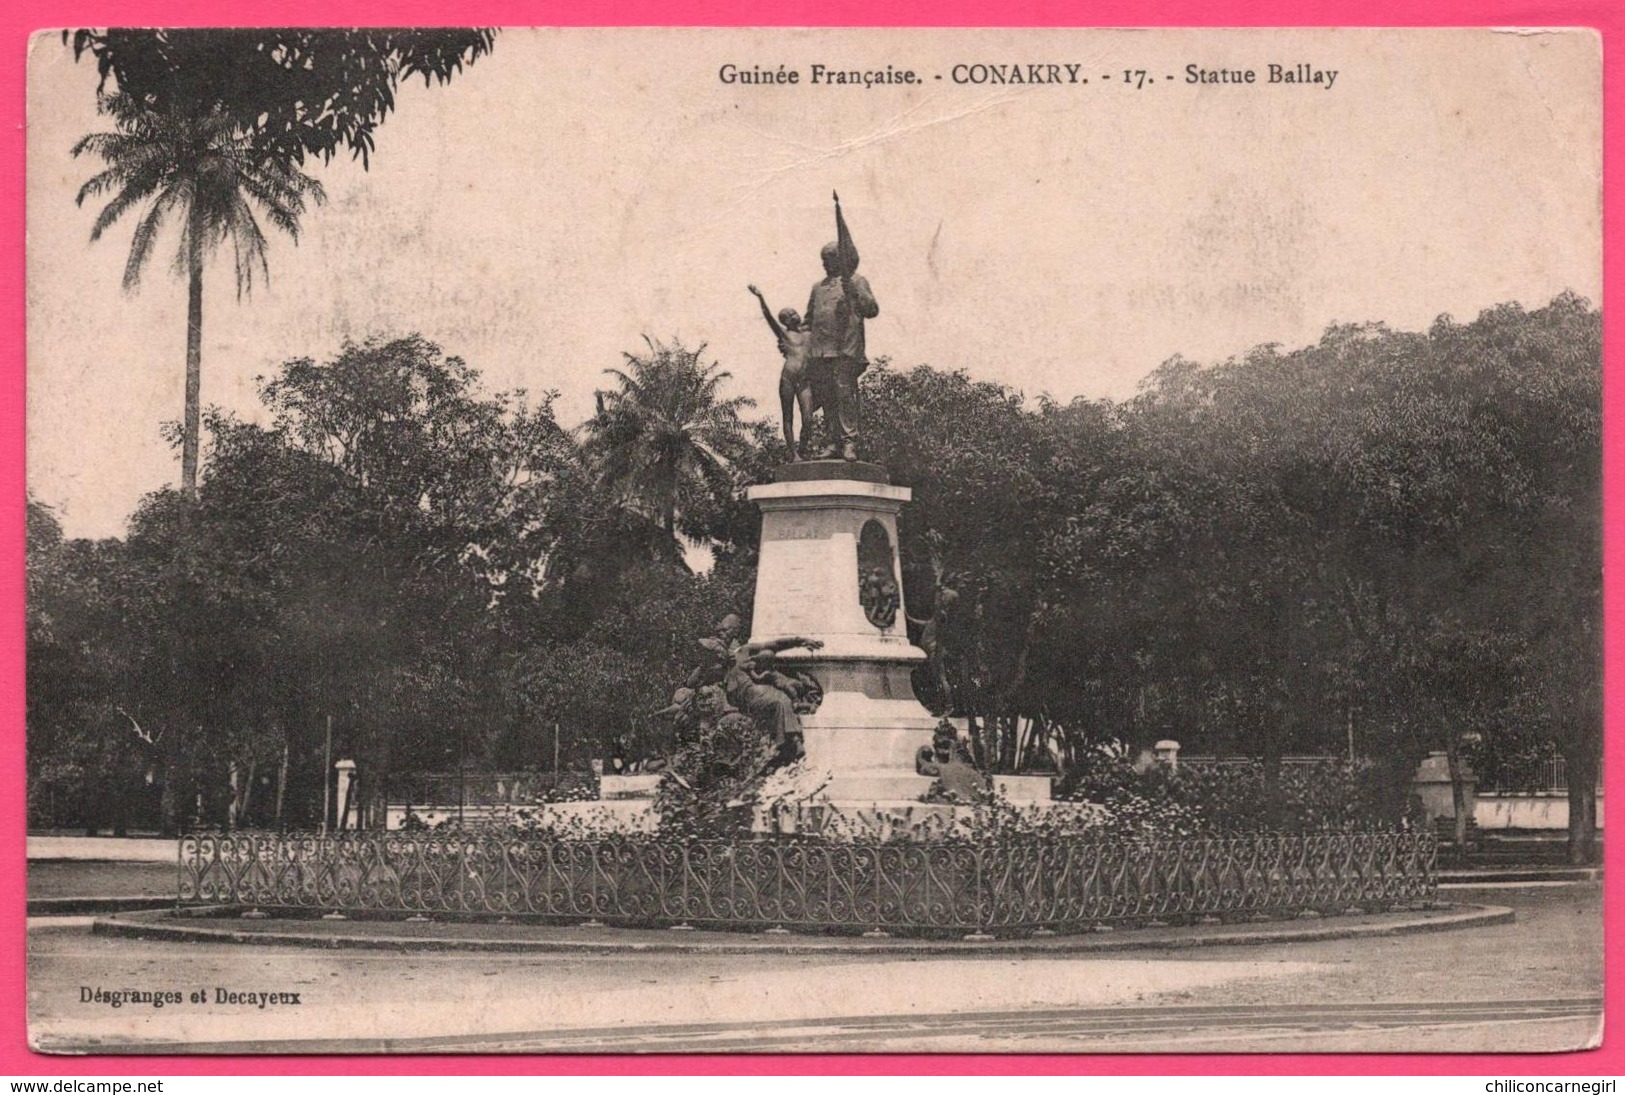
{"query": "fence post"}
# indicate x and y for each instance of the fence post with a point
(327, 775)
(983, 931)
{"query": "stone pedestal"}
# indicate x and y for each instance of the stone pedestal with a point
(862, 740)
(825, 525)
(1432, 785)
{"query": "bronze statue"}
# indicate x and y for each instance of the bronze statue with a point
(753, 683)
(795, 386)
(835, 352)
(957, 780)
(877, 593)
(877, 576)
(932, 638)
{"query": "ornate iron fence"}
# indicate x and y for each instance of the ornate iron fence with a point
(1065, 885)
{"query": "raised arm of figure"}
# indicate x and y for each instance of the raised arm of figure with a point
(767, 313)
(777, 645)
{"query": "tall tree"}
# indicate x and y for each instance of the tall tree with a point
(982, 467)
(413, 427)
(200, 169)
(665, 440)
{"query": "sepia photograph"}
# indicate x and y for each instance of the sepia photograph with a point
(814, 541)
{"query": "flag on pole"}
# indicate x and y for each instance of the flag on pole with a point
(845, 249)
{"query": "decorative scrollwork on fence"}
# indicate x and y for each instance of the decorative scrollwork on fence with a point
(1063, 885)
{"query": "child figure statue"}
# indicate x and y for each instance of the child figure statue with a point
(795, 385)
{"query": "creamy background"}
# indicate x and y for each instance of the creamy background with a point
(578, 189)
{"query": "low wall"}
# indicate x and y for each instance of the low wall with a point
(114, 849)
(1536, 811)
(1061, 885)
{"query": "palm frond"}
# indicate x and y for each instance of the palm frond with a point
(146, 234)
(113, 147)
(200, 164)
(101, 183)
(282, 206)
(133, 192)
(664, 436)
(248, 244)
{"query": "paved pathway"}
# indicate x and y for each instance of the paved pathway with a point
(1529, 985)
(1492, 1026)
(109, 848)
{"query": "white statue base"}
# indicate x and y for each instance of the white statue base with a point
(828, 525)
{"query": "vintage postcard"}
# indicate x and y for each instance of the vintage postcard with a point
(814, 541)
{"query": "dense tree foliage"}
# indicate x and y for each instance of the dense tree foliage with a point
(296, 92)
(1387, 542)
(430, 566)
(1382, 544)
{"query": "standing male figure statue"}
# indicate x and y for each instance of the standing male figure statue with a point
(835, 352)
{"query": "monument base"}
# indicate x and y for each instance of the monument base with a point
(830, 600)
(854, 471)
(883, 803)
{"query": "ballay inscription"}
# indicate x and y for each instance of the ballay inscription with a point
(1047, 73)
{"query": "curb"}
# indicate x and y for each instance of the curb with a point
(1524, 874)
(161, 926)
(80, 906)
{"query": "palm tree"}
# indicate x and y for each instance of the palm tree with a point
(197, 166)
(665, 438)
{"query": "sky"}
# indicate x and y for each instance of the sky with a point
(577, 190)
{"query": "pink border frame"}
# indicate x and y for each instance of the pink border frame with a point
(22, 17)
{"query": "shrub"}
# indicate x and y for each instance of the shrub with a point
(1232, 797)
(1138, 802)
